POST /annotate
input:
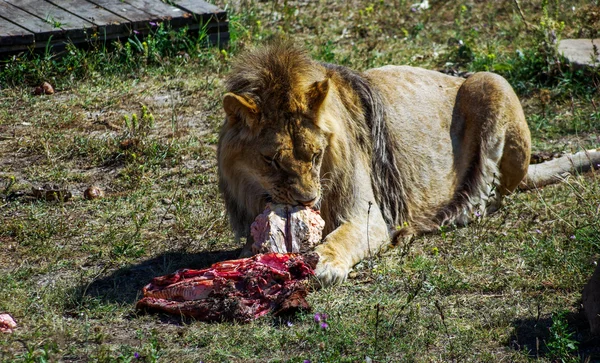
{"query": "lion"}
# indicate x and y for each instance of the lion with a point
(390, 152)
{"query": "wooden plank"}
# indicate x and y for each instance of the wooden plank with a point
(57, 22)
(156, 8)
(41, 29)
(201, 8)
(12, 34)
(197, 6)
(175, 16)
(206, 16)
(215, 27)
(125, 10)
(73, 26)
(88, 11)
(109, 24)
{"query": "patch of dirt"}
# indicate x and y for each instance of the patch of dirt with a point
(10, 257)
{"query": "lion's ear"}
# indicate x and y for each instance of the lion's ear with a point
(317, 94)
(240, 108)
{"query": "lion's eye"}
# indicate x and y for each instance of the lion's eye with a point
(271, 161)
(317, 157)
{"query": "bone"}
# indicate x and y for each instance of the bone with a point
(283, 228)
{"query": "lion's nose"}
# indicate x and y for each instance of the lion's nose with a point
(308, 203)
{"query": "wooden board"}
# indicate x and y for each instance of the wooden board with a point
(201, 8)
(206, 17)
(218, 39)
(13, 34)
(88, 11)
(107, 22)
(157, 9)
(140, 19)
(41, 29)
(137, 18)
(73, 26)
(55, 23)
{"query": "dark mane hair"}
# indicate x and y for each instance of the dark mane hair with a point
(386, 178)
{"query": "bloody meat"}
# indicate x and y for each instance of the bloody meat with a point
(7, 323)
(236, 290)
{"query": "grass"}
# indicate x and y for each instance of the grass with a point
(505, 288)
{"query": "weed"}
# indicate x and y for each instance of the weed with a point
(34, 354)
(561, 344)
(55, 23)
(140, 128)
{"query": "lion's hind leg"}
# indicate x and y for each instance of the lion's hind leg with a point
(491, 147)
(477, 195)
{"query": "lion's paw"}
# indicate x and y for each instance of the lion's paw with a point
(331, 271)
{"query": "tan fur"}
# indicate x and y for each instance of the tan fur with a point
(391, 147)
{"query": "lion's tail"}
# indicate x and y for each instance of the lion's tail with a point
(557, 170)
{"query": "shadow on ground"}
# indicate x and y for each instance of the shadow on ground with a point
(124, 286)
(531, 336)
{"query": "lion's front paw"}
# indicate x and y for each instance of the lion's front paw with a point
(330, 270)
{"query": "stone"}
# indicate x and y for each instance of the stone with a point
(580, 51)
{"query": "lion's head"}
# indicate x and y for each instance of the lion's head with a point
(287, 137)
(278, 151)
(274, 140)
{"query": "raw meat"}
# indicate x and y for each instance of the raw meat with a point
(286, 229)
(236, 290)
(7, 323)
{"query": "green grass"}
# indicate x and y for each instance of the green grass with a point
(505, 288)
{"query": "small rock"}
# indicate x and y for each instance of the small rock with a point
(455, 72)
(421, 5)
(45, 89)
(48, 89)
(93, 192)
